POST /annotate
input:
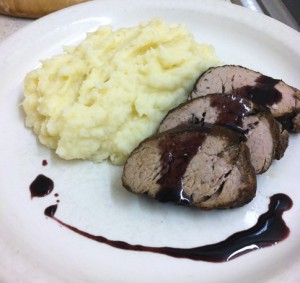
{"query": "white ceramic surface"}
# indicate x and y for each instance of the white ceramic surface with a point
(34, 248)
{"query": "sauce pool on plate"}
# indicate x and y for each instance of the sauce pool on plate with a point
(268, 231)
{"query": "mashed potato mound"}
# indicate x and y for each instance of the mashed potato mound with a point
(100, 99)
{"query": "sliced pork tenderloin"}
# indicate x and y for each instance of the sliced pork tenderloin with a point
(207, 167)
(282, 99)
(265, 138)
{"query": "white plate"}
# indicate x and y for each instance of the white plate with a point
(34, 248)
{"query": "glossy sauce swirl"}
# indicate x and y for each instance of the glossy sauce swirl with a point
(269, 230)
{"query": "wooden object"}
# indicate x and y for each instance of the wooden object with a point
(34, 8)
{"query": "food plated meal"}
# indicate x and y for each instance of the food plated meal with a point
(91, 195)
(102, 98)
(206, 152)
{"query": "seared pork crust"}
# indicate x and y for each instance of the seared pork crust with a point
(282, 99)
(265, 137)
(207, 167)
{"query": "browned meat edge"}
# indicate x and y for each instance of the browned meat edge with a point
(265, 137)
(207, 167)
(282, 99)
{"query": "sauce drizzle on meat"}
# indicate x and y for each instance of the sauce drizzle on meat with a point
(263, 92)
(176, 155)
(232, 109)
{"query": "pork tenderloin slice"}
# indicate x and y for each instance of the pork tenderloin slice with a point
(282, 99)
(265, 137)
(207, 167)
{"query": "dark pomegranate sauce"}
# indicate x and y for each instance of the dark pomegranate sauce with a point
(50, 210)
(269, 230)
(175, 157)
(41, 186)
(231, 109)
(263, 92)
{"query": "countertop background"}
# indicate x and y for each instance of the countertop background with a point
(9, 25)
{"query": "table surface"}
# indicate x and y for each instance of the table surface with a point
(9, 25)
